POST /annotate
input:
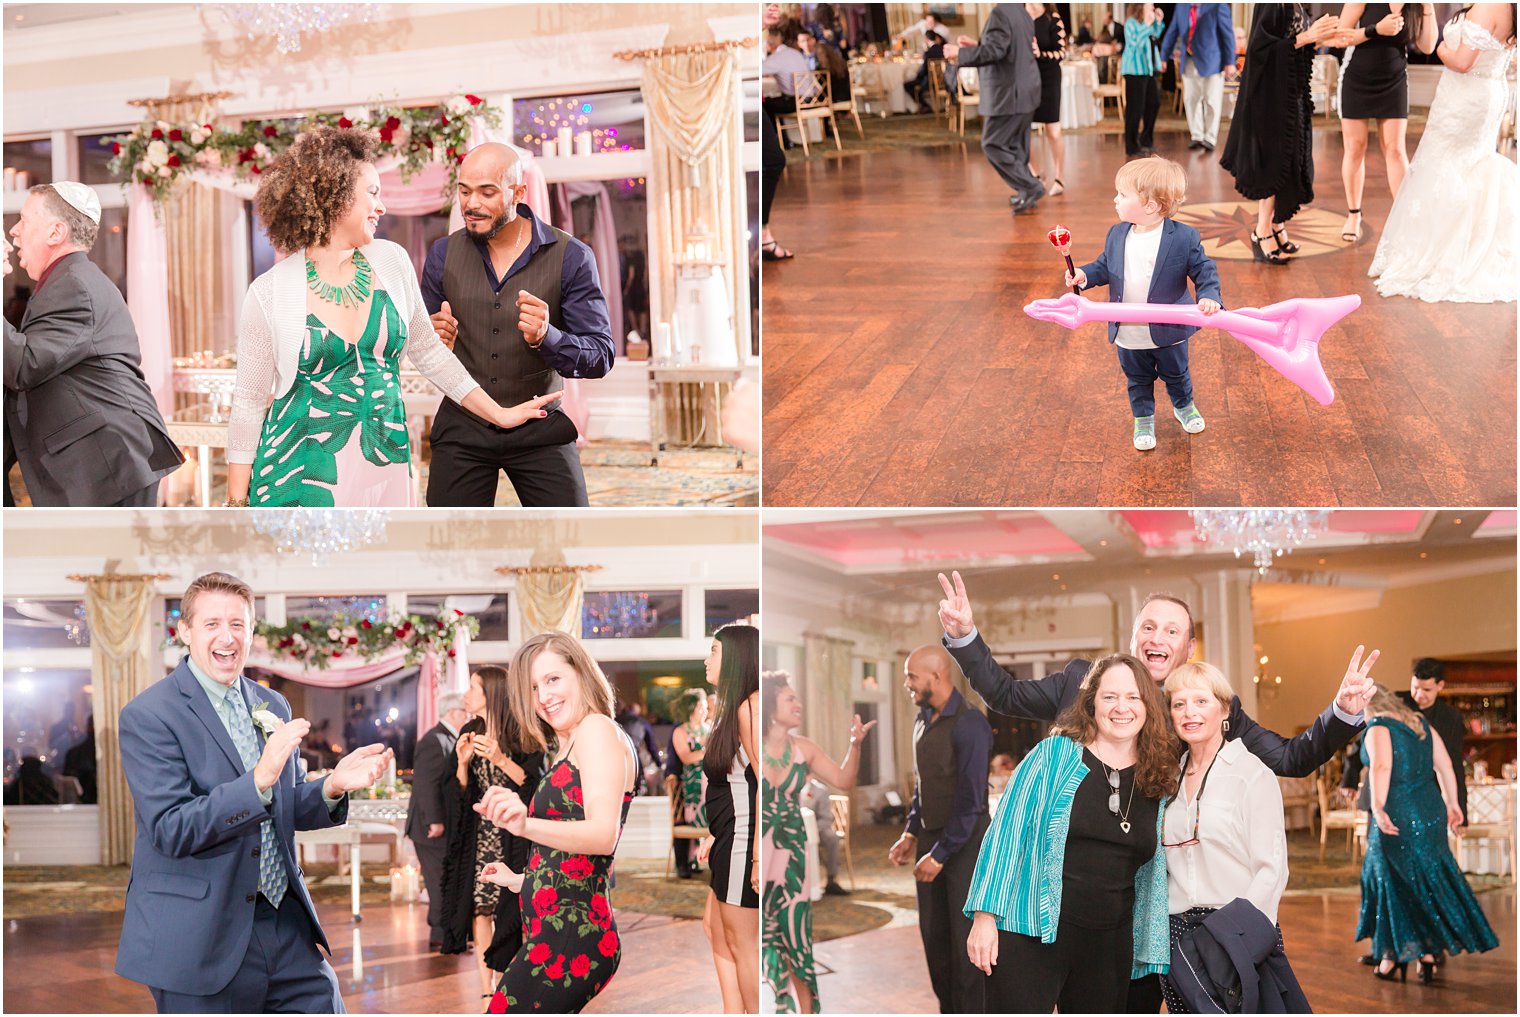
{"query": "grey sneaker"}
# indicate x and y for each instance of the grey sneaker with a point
(1145, 433)
(1190, 418)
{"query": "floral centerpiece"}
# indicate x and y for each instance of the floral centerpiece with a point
(318, 642)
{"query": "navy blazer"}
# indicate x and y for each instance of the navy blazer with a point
(1180, 258)
(1213, 39)
(195, 863)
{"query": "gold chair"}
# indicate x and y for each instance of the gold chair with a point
(1491, 818)
(839, 811)
(1299, 793)
(679, 828)
(939, 100)
(848, 106)
(965, 97)
(1114, 89)
(1350, 820)
(815, 101)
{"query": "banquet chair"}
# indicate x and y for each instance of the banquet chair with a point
(848, 106)
(1491, 818)
(839, 812)
(679, 828)
(1299, 793)
(814, 93)
(939, 100)
(1114, 89)
(966, 97)
(1339, 819)
(1323, 81)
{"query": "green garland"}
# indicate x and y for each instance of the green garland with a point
(157, 153)
(317, 643)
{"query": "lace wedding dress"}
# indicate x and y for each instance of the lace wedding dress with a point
(1451, 233)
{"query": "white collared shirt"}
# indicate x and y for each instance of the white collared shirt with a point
(1140, 253)
(1242, 849)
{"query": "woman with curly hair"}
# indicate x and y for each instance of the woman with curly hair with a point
(1069, 899)
(324, 332)
(570, 948)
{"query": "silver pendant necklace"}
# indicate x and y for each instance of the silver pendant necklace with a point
(1113, 794)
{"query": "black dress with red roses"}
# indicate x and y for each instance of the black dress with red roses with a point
(570, 944)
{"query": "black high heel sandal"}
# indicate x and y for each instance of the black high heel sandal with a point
(1351, 238)
(1274, 258)
(1401, 969)
(1426, 973)
(1285, 246)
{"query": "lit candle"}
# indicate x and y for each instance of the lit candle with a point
(661, 342)
(583, 143)
(565, 134)
(549, 151)
(390, 772)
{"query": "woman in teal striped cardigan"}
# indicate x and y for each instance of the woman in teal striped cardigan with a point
(1142, 95)
(1069, 899)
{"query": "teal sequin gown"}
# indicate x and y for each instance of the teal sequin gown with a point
(1415, 899)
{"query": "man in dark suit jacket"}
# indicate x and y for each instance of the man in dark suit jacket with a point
(78, 410)
(218, 919)
(1163, 640)
(1010, 83)
(426, 819)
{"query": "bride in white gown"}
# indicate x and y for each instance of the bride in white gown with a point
(1451, 234)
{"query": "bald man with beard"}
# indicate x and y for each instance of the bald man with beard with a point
(520, 304)
(952, 742)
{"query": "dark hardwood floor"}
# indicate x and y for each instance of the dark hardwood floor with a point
(900, 368)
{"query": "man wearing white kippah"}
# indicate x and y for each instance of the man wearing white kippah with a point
(78, 410)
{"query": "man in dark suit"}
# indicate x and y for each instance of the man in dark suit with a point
(1010, 82)
(425, 819)
(78, 410)
(218, 919)
(1163, 639)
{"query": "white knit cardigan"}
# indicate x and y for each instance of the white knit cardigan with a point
(272, 330)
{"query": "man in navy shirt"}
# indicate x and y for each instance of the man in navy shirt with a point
(952, 743)
(519, 303)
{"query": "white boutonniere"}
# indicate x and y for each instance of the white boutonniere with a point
(265, 718)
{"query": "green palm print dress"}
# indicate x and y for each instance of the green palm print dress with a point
(787, 905)
(694, 778)
(338, 436)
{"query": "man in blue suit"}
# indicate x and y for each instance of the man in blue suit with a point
(1202, 37)
(218, 919)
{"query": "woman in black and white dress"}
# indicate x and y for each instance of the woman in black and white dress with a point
(732, 917)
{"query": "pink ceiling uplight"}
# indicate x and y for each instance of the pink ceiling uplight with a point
(906, 539)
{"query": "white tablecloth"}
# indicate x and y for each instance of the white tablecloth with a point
(887, 79)
(1078, 108)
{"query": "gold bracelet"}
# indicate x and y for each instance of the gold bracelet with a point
(236, 502)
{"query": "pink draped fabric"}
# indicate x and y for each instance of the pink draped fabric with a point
(427, 694)
(148, 293)
(340, 675)
(604, 246)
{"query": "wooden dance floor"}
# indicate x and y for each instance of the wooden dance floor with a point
(854, 971)
(900, 368)
(63, 964)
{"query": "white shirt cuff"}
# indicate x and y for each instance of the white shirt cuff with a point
(1354, 719)
(965, 640)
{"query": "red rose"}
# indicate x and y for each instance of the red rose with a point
(445, 118)
(451, 653)
(561, 775)
(600, 912)
(498, 1003)
(539, 953)
(255, 169)
(608, 944)
(271, 130)
(576, 867)
(171, 631)
(581, 966)
(336, 653)
(391, 123)
(353, 640)
(304, 625)
(428, 142)
(157, 135)
(475, 100)
(115, 148)
(173, 160)
(574, 794)
(534, 928)
(546, 901)
(557, 969)
(345, 123)
(176, 135)
(459, 612)
(535, 861)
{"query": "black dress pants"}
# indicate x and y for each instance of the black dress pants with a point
(1142, 101)
(1083, 971)
(540, 460)
(944, 927)
(1005, 140)
(772, 162)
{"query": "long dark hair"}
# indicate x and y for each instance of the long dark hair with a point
(500, 724)
(1156, 748)
(772, 684)
(738, 679)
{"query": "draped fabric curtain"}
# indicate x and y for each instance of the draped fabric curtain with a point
(550, 602)
(696, 142)
(828, 691)
(903, 715)
(121, 666)
(603, 243)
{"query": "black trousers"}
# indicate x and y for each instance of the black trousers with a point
(772, 162)
(430, 853)
(944, 927)
(467, 456)
(147, 497)
(1142, 101)
(1005, 140)
(1083, 971)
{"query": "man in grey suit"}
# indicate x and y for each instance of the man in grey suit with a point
(426, 818)
(218, 919)
(1010, 87)
(78, 410)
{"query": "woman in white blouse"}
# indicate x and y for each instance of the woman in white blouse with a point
(1223, 832)
(324, 331)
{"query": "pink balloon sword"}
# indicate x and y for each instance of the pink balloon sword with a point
(1286, 334)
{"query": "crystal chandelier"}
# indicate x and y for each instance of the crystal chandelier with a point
(286, 22)
(320, 532)
(1263, 533)
(620, 615)
(77, 628)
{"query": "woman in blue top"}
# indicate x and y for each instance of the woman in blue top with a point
(1069, 899)
(1142, 96)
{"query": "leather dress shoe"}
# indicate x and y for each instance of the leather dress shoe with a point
(1194, 145)
(1025, 202)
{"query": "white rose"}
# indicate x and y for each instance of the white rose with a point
(261, 150)
(163, 125)
(350, 632)
(210, 158)
(458, 105)
(333, 633)
(198, 136)
(165, 171)
(298, 639)
(401, 137)
(158, 153)
(267, 720)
